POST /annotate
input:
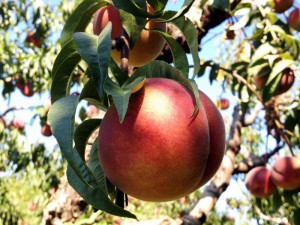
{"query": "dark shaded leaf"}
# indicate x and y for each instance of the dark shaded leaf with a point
(64, 64)
(82, 134)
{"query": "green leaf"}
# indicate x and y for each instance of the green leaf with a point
(116, 73)
(213, 73)
(270, 88)
(172, 15)
(178, 53)
(83, 133)
(133, 26)
(278, 68)
(261, 52)
(296, 216)
(260, 68)
(104, 49)
(122, 94)
(195, 91)
(223, 5)
(61, 117)
(90, 93)
(135, 8)
(203, 67)
(190, 34)
(80, 18)
(277, 202)
(289, 196)
(94, 165)
(158, 5)
(67, 59)
(95, 196)
(257, 35)
(86, 45)
(95, 51)
(272, 17)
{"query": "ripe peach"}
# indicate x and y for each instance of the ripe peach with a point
(258, 182)
(222, 103)
(34, 39)
(294, 19)
(26, 90)
(103, 16)
(216, 129)
(281, 6)
(149, 44)
(19, 124)
(159, 152)
(285, 172)
(286, 81)
(46, 130)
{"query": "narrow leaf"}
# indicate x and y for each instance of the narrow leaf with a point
(90, 93)
(104, 50)
(94, 165)
(179, 55)
(95, 196)
(172, 15)
(67, 59)
(278, 68)
(61, 117)
(122, 94)
(83, 133)
(262, 51)
(190, 34)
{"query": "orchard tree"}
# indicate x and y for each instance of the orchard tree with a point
(135, 153)
(161, 138)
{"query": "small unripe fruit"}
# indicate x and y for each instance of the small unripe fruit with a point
(159, 152)
(258, 182)
(294, 19)
(281, 6)
(222, 103)
(285, 172)
(33, 39)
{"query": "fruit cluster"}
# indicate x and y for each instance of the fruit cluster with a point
(284, 173)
